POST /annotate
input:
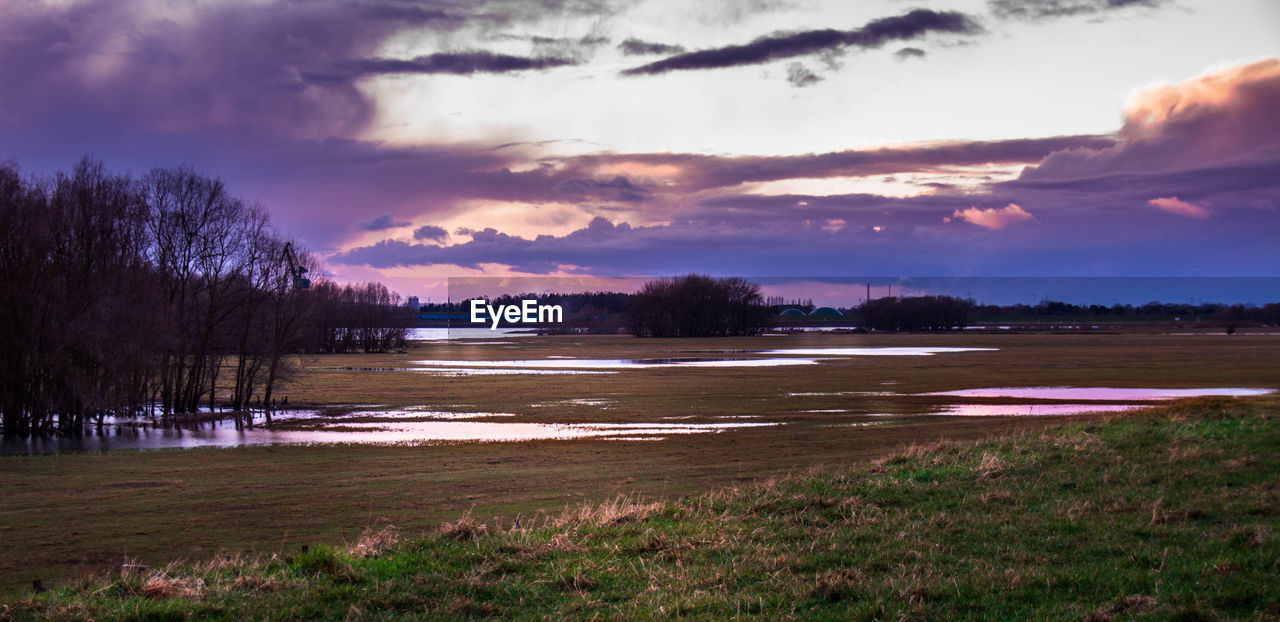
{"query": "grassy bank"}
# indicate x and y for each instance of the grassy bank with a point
(1171, 513)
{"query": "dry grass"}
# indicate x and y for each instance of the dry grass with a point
(165, 584)
(373, 543)
(623, 509)
(465, 528)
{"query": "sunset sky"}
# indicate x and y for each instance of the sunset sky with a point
(408, 142)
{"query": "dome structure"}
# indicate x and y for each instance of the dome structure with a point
(792, 312)
(826, 312)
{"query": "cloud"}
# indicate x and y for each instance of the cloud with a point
(993, 218)
(617, 189)
(702, 172)
(1173, 205)
(637, 47)
(1039, 10)
(285, 68)
(879, 235)
(381, 223)
(456, 63)
(1215, 118)
(781, 46)
(430, 232)
(906, 53)
(800, 76)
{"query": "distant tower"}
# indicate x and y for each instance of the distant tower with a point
(412, 303)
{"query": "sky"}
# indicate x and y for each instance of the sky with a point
(410, 142)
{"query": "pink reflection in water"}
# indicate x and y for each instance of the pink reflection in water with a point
(448, 431)
(875, 351)
(562, 363)
(1022, 410)
(1098, 393)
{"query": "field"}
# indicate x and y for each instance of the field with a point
(65, 515)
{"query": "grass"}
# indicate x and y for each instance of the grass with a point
(63, 516)
(1170, 514)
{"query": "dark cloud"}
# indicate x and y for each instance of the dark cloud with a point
(906, 53)
(637, 47)
(407, 13)
(285, 68)
(702, 172)
(880, 236)
(617, 189)
(382, 223)
(454, 63)
(1036, 10)
(800, 76)
(765, 49)
(430, 232)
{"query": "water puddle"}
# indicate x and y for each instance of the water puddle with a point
(874, 351)
(597, 364)
(412, 413)
(601, 403)
(841, 393)
(457, 372)
(1025, 410)
(472, 335)
(428, 428)
(1105, 394)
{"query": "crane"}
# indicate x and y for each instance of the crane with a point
(295, 267)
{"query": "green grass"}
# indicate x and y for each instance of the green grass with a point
(1170, 514)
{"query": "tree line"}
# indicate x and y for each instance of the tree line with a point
(916, 313)
(162, 293)
(696, 305)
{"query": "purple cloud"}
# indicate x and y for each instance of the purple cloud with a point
(430, 232)
(617, 189)
(637, 47)
(454, 63)
(382, 223)
(765, 49)
(1039, 10)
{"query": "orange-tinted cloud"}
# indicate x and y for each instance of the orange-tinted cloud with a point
(1174, 205)
(1152, 107)
(1219, 116)
(993, 218)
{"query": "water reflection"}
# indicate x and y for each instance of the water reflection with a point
(874, 351)
(1112, 394)
(447, 334)
(1023, 410)
(309, 427)
(652, 363)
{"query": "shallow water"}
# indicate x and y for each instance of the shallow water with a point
(429, 427)
(874, 351)
(568, 363)
(1110, 394)
(453, 372)
(449, 334)
(1030, 410)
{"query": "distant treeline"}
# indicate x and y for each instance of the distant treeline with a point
(686, 306)
(121, 295)
(614, 312)
(1266, 314)
(915, 313)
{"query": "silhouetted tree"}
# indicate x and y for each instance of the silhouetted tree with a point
(695, 305)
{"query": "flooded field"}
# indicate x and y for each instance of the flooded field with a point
(374, 436)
